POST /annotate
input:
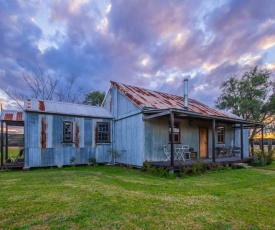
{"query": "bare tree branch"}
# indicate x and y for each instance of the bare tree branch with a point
(45, 85)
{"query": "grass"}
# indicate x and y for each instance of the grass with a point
(270, 166)
(119, 198)
(13, 152)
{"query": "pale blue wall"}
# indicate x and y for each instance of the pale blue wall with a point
(57, 153)
(156, 136)
(128, 128)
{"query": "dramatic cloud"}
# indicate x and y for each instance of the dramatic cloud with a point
(151, 44)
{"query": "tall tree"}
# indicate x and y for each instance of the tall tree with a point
(94, 97)
(46, 85)
(252, 97)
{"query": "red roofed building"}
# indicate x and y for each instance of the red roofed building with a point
(143, 119)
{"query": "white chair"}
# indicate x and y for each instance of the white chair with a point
(235, 151)
(167, 154)
(185, 155)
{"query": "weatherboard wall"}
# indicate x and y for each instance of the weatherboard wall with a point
(44, 140)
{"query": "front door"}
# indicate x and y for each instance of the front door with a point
(203, 142)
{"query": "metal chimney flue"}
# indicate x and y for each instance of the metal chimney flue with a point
(185, 90)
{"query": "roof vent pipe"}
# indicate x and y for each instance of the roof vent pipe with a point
(185, 88)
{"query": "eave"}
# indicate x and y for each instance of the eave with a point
(154, 113)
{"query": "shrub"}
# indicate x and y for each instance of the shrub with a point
(92, 161)
(198, 167)
(261, 158)
(116, 154)
(72, 159)
(157, 171)
(184, 169)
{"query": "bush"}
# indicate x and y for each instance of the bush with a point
(261, 158)
(116, 154)
(92, 161)
(198, 167)
(72, 160)
(184, 169)
(157, 171)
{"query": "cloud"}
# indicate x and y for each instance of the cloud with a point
(240, 28)
(151, 44)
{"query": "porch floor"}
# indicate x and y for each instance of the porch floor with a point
(220, 160)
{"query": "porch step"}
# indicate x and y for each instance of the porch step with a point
(245, 165)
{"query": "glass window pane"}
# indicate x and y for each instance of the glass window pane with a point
(67, 131)
(103, 132)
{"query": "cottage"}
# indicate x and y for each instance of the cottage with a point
(139, 121)
(146, 121)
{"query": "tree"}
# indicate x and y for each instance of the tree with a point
(94, 97)
(46, 85)
(252, 97)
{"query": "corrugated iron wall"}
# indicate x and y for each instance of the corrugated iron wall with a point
(128, 128)
(157, 135)
(129, 135)
(44, 141)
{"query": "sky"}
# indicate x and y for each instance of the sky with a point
(153, 44)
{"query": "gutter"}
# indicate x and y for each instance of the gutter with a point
(127, 116)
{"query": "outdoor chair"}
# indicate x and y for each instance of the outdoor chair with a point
(235, 151)
(222, 152)
(185, 155)
(167, 154)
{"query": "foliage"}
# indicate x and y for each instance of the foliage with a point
(261, 158)
(116, 154)
(191, 149)
(184, 169)
(198, 167)
(72, 159)
(46, 85)
(94, 97)
(121, 198)
(157, 171)
(271, 166)
(92, 160)
(251, 97)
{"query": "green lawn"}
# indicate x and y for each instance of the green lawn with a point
(12, 151)
(107, 197)
(271, 166)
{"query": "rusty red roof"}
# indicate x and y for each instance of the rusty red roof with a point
(158, 100)
(55, 107)
(12, 115)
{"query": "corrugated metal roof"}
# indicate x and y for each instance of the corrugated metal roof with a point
(66, 108)
(158, 100)
(12, 115)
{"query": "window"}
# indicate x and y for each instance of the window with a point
(176, 132)
(103, 132)
(221, 132)
(67, 131)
